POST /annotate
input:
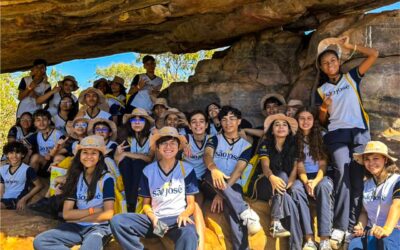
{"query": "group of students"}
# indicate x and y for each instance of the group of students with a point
(164, 163)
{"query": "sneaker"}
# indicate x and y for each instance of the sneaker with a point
(325, 245)
(277, 230)
(310, 245)
(337, 237)
(251, 220)
(347, 238)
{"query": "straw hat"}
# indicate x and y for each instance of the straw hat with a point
(333, 43)
(98, 81)
(168, 131)
(69, 78)
(172, 111)
(92, 142)
(118, 80)
(102, 99)
(295, 103)
(291, 121)
(393, 133)
(138, 112)
(373, 147)
(70, 126)
(279, 97)
(111, 124)
(162, 102)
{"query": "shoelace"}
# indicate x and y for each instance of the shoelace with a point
(337, 235)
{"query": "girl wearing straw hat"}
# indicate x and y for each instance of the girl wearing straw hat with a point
(133, 157)
(341, 107)
(89, 204)
(168, 187)
(175, 118)
(378, 226)
(116, 99)
(108, 130)
(94, 103)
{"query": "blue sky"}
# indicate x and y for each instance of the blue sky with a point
(84, 69)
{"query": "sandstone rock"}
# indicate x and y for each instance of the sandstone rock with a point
(66, 30)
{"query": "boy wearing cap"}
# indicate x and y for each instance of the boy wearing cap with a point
(31, 87)
(226, 156)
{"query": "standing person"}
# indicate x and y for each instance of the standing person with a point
(89, 204)
(17, 178)
(348, 130)
(136, 155)
(313, 182)
(32, 87)
(378, 226)
(278, 154)
(145, 88)
(226, 156)
(53, 97)
(22, 129)
(94, 103)
(67, 111)
(168, 187)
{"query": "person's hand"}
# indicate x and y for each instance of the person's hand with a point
(344, 42)
(47, 157)
(142, 82)
(327, 101)
(358, 230)
(183, 218)
(310, 186)
(56, 89)
(21, 204)
(154, 220)
(187, 151)
(277, 184)
(217, 205)
(183, 122)
(61, 142)
(380, 232)
(218, 178)
(120, 151)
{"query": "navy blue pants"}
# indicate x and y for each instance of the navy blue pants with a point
(341, 144)
(68, 235)
(323, 193)
(129, 228)
(369, 242)
(131, 171)
(234, 205)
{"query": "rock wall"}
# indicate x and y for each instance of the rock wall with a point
(284, 61)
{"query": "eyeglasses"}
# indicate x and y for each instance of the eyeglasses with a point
(137, 120)
(26, 120)
(101, 130)
(66, 102)
(169, 143)
(231, 119)
(80, 125)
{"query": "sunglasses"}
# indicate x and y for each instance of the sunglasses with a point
(101, 130)
(137, 120)
(80, 125)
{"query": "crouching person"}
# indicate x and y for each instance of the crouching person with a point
(168, 187)
(89, 204)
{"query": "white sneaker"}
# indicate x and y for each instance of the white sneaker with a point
(347, 238)
(337, 237)
(251, 220)
(325, 245)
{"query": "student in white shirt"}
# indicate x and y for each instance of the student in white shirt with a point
(175, 118)
(22, 129)
(106, 129)
(95, 104)
(89, 204)
(66, 111)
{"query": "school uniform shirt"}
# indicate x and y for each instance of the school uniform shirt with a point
(380, 198)
(113, 146)
(116, 106)
(196, 160)
(104, 192)
(102, 114)
(18, 133)
(346, 110)
(59, 123)
(168, 190)
(226, 154)
(54, 102)
(71, 145)
(16, 184)
(213, 129)
(28, 104)
(142, 99)
(136, 147)
(41, 145)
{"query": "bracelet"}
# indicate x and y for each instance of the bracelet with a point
(323, 109)
(91, 211)
(354, 51)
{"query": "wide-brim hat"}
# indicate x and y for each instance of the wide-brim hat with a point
(291, 121)
(173, 111)
(138, 112)
(118, 80)
(333, 43)
(98, 81)
(70, 126)
(168, 131)
(295, 103)
(92, 142)
(102, 98)
(111, 124)
(393, 133)
(162, 102)
(374, 147)
(69, 78)
(277, 96)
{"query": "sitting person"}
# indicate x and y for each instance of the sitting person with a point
(175, 118)
(76, 130)
(17, 178)
(95, 104)
(212, 110)
(168, 187)
(118, 89)
(32, 87)
(378, 225)
(293, 106)
(89, 204)
(66, 111)
(226, 156)
(106, 129)
(116, 98)
(22, 129)
(160, 106)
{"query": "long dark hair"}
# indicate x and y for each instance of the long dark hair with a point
(32, 127)
(284, 160)
(145, 133)
(70, 186)
(74, 108)
(314, 139)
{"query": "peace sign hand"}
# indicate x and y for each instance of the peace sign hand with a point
(120, 151)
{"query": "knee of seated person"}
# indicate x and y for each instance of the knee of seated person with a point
(38, 241)
(57, 159)
(325, 186)
(116, 221)
(189, 233)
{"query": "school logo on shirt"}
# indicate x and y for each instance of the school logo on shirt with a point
(166, 189)
(226, 155)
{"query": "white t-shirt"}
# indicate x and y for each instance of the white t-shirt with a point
(168, 190)
(196, 160)
(42, 145)
(142, 98)
(135, 146)
(59, 123)
(16, 184)
(54, 103)
(102, 114)
(28, 104)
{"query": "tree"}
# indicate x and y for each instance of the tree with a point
(124, 70)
